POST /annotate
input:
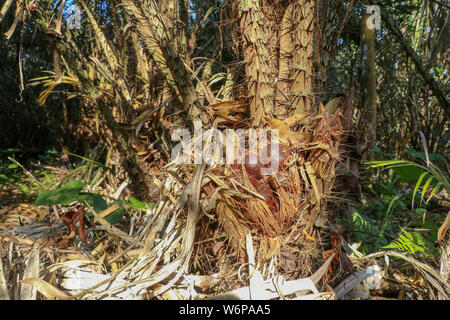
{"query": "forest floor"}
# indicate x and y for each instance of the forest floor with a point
(371, 265)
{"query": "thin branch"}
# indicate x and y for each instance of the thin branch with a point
(26, 171)
(349, 8)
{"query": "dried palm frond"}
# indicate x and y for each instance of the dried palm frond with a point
(50, 83)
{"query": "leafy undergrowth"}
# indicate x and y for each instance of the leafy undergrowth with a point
(398, 211)
(14, 180)
(401, 210)
(65, 209)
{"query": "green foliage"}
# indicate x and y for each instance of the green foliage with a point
(377, 222)
(91, 171)
(411, 242)
(12, 175)
(64, 195)
(364, 224)
(71, 192)
(139, 205)
(422, 155)
(427, 177)
(375, 227)
(366, 232)
(117, 215)
(96, 201)
(408, 173)
(375, 234)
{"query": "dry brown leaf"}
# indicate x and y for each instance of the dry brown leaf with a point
(295, 118)
(18, 17)
(333, 104)
(312, 177)
(236, 106)
(283, 130)
(275, 245)
(443, 229)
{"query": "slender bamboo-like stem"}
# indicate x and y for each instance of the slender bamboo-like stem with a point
(5, 9)
(369, 80)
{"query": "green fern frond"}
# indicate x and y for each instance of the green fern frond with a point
(363, 224)
(409, 242)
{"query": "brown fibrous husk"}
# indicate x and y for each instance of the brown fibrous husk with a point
(294, 197)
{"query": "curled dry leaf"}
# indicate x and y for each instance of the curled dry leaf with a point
(443, 229)
(71, 218)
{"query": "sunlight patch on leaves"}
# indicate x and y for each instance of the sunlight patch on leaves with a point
(410, 242)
